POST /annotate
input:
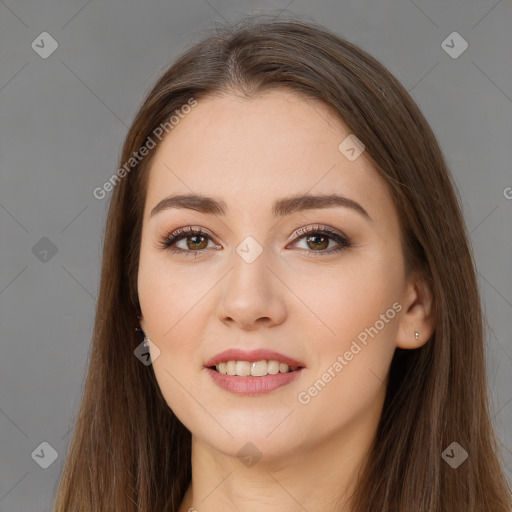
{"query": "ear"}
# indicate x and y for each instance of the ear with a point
(142, 323)
(418, 316)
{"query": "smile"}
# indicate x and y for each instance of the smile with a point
(252, 372)
(253, 369)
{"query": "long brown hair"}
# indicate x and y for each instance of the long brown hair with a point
(129, 452)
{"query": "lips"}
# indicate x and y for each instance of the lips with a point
(252, 372)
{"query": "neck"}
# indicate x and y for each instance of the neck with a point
(319, 477)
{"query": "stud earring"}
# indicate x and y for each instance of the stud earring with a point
(416, 335)
(143, 336)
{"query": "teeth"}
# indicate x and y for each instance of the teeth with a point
(259, 369)
(231, 367)
(243, 368)
(254, 369)
(272, 367)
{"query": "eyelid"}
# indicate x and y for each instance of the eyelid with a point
(191, 230)
(313, 228)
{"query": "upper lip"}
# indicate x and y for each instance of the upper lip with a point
(235, 354)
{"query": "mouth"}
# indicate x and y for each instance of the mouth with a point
(252, 373)
(259, 368)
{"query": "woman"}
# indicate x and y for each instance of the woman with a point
(284, 235)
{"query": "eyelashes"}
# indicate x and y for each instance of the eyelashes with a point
(323, 232)
(167, 242)
(200, 237)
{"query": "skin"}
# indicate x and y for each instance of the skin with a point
(249, 152)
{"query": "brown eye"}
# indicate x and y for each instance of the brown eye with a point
(195, 241)
(316, 242)
(318, 238)
(198, 242)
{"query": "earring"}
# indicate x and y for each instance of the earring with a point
(143, 336)
(416, 335)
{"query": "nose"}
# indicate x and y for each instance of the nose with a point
(252, 296)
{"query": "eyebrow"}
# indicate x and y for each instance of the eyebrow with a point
(280, 207)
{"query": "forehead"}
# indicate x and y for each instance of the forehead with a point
(252, 151)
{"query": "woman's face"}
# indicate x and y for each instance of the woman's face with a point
(266, 279)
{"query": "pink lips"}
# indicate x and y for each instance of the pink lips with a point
(252, 385)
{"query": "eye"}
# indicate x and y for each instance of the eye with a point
(195, 241)
(317, 238)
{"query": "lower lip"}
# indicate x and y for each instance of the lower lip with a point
(252, 385)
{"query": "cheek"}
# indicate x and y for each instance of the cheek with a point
(168, 295)
(343, 302)
(172, 312)
(172, 304)
(359, 312)
(349, 375)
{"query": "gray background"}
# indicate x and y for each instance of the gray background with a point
(62, 123)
